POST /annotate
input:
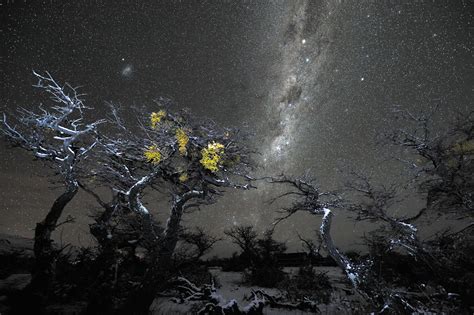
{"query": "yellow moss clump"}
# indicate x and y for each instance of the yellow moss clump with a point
(183, 140)
(211, 156)
(153, 154)
(183, 177)
(155, 118)
(465, 147)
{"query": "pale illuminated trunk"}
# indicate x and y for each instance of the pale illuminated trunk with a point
(341, 260)
(135, 203)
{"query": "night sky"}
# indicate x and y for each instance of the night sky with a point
(315, 81)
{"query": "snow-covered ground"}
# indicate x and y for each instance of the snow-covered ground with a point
(16, 244)
(231, 287)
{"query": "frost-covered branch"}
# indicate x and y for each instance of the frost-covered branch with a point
(216, 304)
(309, 200)
(191, 159)
(443, 158)
(60, 135)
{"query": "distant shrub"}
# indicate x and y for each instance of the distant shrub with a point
(352, 255)
(259, 257)
(14, 262)
(235, 263)
(309, 283)
(268, 276)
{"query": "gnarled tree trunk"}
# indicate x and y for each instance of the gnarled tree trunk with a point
(45, 255)
(159, 273)
(338, 257)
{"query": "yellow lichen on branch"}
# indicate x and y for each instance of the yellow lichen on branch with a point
(463, 148)
(183, 177)
(153, 154)
(212, 156)
(155, 118)
(183, 140)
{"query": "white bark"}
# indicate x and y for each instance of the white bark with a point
(133, 194)
(338, 257)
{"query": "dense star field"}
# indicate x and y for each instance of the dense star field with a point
(236, 157)
(316, 81)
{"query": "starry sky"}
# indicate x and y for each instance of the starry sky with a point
(315, 80)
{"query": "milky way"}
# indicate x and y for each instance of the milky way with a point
(303, 54)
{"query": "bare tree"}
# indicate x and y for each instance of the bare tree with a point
(260, 255)
(191, 159)
(309, 198)
(60, 135)
(311, 247)
(373, 204)
(200, 243)
(443, 161)
(443, 167)
(245, 237)
(119, 165)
